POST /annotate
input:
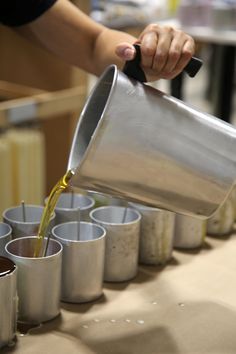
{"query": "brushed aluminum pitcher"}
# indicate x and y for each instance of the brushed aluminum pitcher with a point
(135, 142)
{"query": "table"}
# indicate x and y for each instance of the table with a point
(187, 307)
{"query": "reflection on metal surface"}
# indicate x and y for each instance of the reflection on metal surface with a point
(151, 148)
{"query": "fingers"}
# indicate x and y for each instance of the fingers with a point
(165, 51)
(148, 48)
(174, 53)
(185, 57)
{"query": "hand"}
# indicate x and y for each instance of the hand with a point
(165, 51)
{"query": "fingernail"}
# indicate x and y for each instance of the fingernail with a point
(129, 53)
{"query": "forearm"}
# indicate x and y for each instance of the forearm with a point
(70, 34)
(77, 39)
(106, 45)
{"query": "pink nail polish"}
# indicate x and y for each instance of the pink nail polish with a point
(129, 53)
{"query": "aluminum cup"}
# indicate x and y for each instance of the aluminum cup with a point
(122, 241)
(5, 237)
(20, 228)
(8, 301)
(221, 223)
(38, 279)
(190, 232)
(67, 207)
(157, 233)
(82, 260)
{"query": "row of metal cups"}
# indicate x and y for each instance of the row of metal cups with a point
(109, 248)
(30, 288)
(75, 207)
(77, 261)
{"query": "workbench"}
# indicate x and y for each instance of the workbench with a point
(187, 307)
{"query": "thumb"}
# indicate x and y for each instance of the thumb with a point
(125, 51)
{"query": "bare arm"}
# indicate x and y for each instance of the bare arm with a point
(77, 39)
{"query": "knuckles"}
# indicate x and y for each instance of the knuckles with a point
(148, 51)
(175, 54)
(153, 27)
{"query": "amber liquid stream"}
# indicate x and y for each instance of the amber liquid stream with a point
(61, 185)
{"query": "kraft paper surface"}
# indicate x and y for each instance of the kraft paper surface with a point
(187, 307)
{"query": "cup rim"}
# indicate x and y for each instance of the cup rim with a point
(32, 258)
(92, 203)
(11, 269)
(9, 230)
(79, 152)
(79, 241)
(139, 216)
(16, 222)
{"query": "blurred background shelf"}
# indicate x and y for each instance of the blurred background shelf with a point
(36, 71)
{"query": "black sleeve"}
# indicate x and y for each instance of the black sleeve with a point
(20, 12)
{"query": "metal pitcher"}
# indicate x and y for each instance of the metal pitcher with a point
(135, 142)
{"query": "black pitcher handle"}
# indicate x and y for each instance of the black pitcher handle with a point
(132, 67)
